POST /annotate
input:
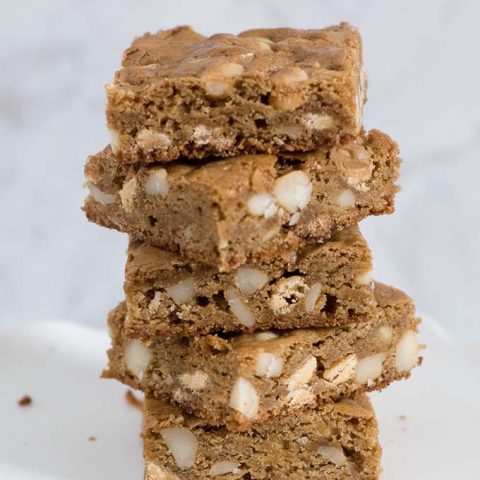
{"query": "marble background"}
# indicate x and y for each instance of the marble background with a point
(424, 74)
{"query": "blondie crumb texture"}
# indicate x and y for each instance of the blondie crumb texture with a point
(320, 285)
(180, 94)
(336, 441)
(225, 213)
(240, 380)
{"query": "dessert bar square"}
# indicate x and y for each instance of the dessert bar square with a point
(251, 208)
(319, 285)
(180, 94)
(333, 441)
(239, 380)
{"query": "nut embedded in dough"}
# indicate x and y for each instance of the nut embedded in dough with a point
(182, 444)
(244, 398)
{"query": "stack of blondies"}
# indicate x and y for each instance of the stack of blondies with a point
(239, 167)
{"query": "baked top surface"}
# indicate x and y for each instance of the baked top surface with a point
(181, 52)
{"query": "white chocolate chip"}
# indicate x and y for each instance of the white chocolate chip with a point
(315, 121)
(249, 280)
(224, 467)
(333, 454)
(137, 358)
(289, 76)
(312, 296)
(149, 140)
(354, 164)
(157, 182)
(241, 311)
(182, 292)
(154, 472)
(244, 398)
(264, 336)
(346, 199)
(303, 375)
(100, 196)
(301, 396)
(262, 204)
(406, 355)
(194, 381)
(341, 371)
(286, 293)
(365, 278)
(369, 369)
(114, 139)
(269, 365)
(385, 333)
(293, 190)
(127, 194)
(182, 444)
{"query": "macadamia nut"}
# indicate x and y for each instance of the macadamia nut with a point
(100, 196)
(249, 280)
(293, 190)
(182, 292)
(369, 368)
(346, 199)
(137, 358)
(241, 311)
(157, 182)
(182, 444)
(333, 454)
(262, 205)
(268, 365)
(244, 398)
(312, 296)
(224, 467)
(406, 354)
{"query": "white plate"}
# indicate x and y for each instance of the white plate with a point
(429, 425)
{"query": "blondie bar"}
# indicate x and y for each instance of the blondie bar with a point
(239, 380)
(180, 94)
(251, 208)
(320, 285)
(337, 441)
